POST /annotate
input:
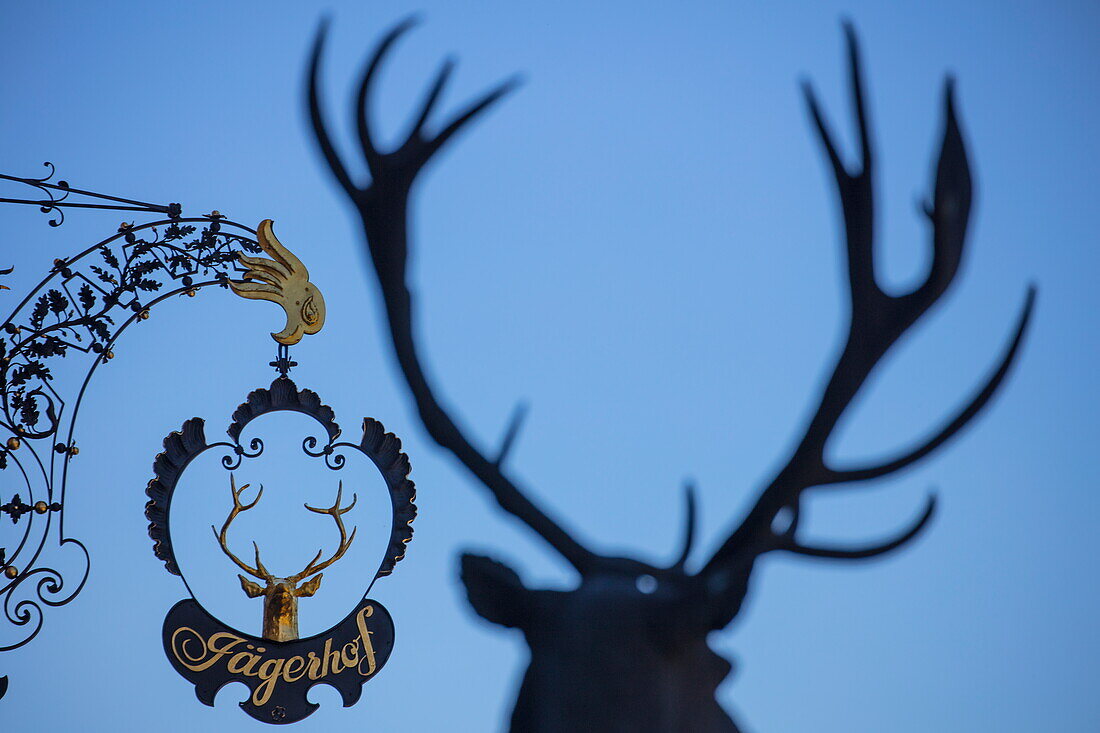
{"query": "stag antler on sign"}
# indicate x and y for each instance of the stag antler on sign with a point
(627, 649)
(337, 514)
(281, 594)
(259, 571)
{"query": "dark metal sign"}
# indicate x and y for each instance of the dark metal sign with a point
(209, 655)
(80, 308)
(207, 652)
(279, 668)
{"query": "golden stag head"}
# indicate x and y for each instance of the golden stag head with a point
(281, 594)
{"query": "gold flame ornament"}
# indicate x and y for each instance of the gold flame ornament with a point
(284, 281)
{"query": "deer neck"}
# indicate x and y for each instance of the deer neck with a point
(281, 614)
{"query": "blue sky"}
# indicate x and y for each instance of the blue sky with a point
(643, 243)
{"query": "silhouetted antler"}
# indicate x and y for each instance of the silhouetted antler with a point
(877, 321)
(383, 206)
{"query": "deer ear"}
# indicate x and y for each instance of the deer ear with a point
(495, 591)
(310, 587)
(251, 589)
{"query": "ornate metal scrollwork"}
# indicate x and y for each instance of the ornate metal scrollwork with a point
(204, 650)
(58, 204)
(79, 309)
(182, 446)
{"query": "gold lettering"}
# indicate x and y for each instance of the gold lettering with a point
(269, 673)
(300, 670)
(331, 657)
(368, 648)
(350, 658)
(235, 666)
(198, 654)
(314, 663)
(184, 650)
(231, 640)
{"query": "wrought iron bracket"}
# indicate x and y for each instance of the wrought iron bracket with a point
(78, 311)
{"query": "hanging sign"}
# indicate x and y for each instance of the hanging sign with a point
(278, 667)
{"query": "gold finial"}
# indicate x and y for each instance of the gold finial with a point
(284, 281)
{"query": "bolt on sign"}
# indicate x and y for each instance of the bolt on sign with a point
(278, 667)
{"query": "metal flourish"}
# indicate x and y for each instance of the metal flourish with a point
(82, 306)
(27, 611)
(55, 203)
(232, 461)
(181, 447)
(333, 460)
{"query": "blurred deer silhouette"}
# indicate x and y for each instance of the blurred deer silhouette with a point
(626, 649)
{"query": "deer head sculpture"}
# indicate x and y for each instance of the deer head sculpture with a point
(281, 594)
(626, 649)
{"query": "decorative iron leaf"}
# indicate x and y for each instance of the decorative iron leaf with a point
(145, 267)
(28, 413)
(216, 258)
(109, 256)
(58, 302)
(35, 369)
(104, 275)
(99, 328)
(41, 308)
(176, 231)
(87, 297)
(47, 347)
